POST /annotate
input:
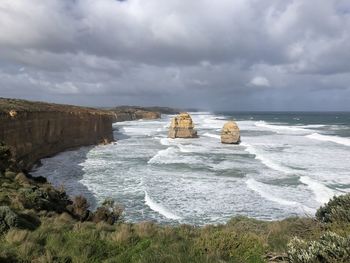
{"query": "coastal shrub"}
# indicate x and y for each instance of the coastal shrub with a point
(43, 198)
(231, 246)
(103, 214)
(5, 157)
(8, 254)
(110, 212)
(33, 198)
(329, 248)
(337, 210)
(8, 219)
(115, 208)
(81, 208)
(4, 198)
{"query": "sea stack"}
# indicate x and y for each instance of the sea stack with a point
(182, 127)
(230, 133)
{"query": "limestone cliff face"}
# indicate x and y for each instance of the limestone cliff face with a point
(37, 130)
(230, 133)
(130, 115)
(182, 127)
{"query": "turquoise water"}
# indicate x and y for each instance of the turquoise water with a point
(287, 164)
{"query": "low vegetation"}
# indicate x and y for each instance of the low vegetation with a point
(39, 223)
(17, 105)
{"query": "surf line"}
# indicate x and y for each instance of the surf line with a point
(159, 208)
(329, 138)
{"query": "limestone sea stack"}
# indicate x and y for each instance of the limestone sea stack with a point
(182, 127)
(230, 133)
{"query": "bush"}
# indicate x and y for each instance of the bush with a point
(230, 246)
(329, 248)
(337, 210)
(81, 208)
(43, 198)
(5, 157)
(109, 212)
(8, 219)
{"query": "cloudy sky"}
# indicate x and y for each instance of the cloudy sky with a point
(211, 54)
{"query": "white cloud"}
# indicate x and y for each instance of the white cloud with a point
(260, 81)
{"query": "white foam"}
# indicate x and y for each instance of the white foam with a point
(187, 148)
(164, 141)
(162, 155)
(212, 123)
(171, 156)
(322, 193)
(279, 128)
(261, 189)
(328, 138)
(207, 134)
(159, 208)
(266, 161)
(312, 126)
(224, 165)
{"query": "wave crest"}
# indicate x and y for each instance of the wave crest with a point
(329, 138)
(159, 208)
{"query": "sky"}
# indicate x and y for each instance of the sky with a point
(214, 55)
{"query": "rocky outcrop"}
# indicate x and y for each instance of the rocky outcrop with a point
(230, 133)
(34, 130)
(182, 127)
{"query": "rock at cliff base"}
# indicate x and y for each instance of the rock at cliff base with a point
(182, 127)
(230, 133)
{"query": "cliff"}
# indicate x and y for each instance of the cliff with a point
(125, 113)
(157, 109)
(35, 130)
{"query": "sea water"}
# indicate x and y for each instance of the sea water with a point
(288, 164)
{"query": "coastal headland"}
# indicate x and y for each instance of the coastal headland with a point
(34, 130)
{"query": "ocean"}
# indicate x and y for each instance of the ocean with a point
(288, 164)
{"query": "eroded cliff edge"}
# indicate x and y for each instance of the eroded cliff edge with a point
(35, 130)
(129, 113)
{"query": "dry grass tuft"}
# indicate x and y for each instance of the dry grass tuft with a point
(123, 233)
(15, 236)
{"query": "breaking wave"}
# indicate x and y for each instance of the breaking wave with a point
(162, 156)
(278, 128)
(159, 208)
(328, 138)
(322, 193)
(263, 191)
(171, 156)
(207, 134)
(266, 161)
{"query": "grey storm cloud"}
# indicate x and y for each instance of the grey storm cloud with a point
(224, 54)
